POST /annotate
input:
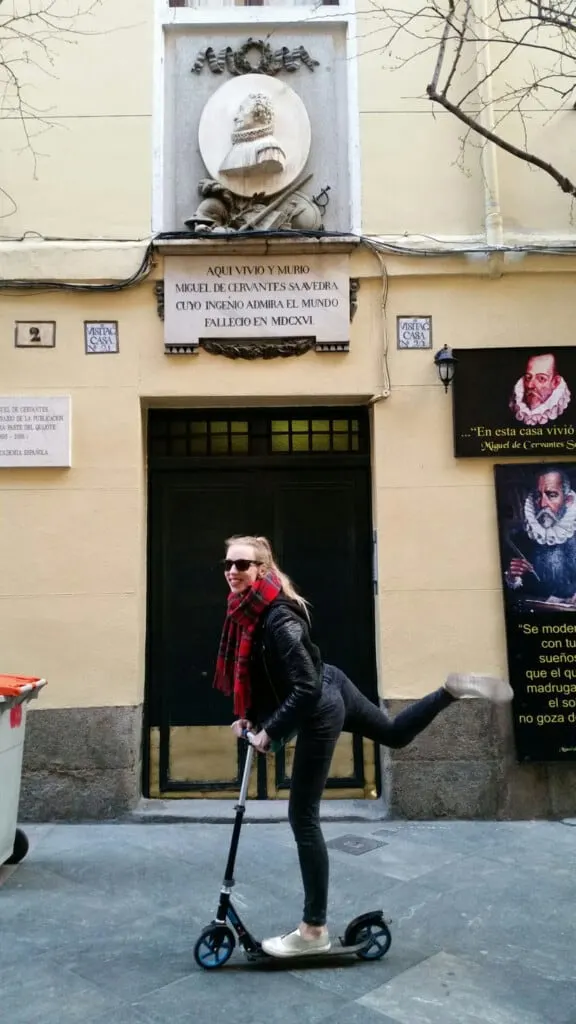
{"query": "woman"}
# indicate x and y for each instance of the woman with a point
(281, 688)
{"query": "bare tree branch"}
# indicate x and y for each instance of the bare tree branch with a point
(565, 184)
(441, 52)
(538, 36)
(30, 33)
(460, 44)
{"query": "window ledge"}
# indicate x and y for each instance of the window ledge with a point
(241, 244)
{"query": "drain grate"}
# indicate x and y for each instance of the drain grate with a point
(356, 845)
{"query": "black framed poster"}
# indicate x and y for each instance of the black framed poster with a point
(536, 507)
(515, 402)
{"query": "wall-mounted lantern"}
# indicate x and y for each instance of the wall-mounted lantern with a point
(446, 364)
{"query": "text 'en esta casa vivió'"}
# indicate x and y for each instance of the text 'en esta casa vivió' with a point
(566, 430)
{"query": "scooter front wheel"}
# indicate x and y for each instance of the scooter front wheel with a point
(214, 947)
(375, 934)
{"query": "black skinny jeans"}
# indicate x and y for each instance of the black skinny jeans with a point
(341, 707)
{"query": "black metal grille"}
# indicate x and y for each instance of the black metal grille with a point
(175, 433)
(314, 435)
(178, 436)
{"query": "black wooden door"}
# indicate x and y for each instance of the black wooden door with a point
(317, 515)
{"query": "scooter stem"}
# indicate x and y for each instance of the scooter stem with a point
(240, 810)
(246, 776)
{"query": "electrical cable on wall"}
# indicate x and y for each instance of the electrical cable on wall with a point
(39, 285)
(377, 245)
(384, 391)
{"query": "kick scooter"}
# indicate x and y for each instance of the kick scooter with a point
(367, 936)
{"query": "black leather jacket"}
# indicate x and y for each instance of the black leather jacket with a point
(285, 671)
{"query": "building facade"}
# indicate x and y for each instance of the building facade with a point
(225, 280)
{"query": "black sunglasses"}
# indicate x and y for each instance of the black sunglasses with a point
(242, 564)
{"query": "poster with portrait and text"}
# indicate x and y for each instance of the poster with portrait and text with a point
(515, 402)
(536, 507)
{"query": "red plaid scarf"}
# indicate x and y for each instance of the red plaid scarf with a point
(243, 615)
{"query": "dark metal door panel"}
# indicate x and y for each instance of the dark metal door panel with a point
(322, 533)
(192, 514)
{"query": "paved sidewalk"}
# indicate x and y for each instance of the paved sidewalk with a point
(98, 924)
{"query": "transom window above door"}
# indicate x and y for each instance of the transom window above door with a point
(177, 433)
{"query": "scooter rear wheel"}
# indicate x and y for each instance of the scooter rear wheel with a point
(376, 935)
(214, 947)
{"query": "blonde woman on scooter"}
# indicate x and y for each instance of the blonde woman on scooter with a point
(269, 663)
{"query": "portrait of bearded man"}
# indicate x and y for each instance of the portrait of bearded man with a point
(540, 395)
(543, 565)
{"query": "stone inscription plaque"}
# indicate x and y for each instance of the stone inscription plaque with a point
(35, 432)
(266, 297)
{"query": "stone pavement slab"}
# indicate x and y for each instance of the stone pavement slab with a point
(448, 989)
(99, 922)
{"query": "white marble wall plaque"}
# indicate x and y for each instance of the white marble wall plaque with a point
(261, 297)
(100, 336)
(414, 331)
(35, 432)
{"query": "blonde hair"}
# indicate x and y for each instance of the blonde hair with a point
(263, 553)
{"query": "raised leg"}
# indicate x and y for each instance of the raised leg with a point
(366, 719)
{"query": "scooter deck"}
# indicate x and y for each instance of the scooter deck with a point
(338, 949)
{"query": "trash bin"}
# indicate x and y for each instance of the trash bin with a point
(16, 692)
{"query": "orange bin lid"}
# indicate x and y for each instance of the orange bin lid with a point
(13, 686)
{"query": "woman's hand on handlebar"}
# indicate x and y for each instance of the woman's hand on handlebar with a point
(241, 726)
(261, 741)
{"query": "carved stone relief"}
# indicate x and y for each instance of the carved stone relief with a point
(220, 211)
(249, 142)
(254, 137)
(238, 62)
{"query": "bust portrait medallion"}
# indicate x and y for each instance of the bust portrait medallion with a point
(254, 135)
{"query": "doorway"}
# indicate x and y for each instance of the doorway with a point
(302, 478)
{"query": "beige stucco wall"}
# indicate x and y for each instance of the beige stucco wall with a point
(73, 541)
(417, 176)
(440, 605)
(92, 171)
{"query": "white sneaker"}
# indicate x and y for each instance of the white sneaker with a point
(293, 944)
(489, 687)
